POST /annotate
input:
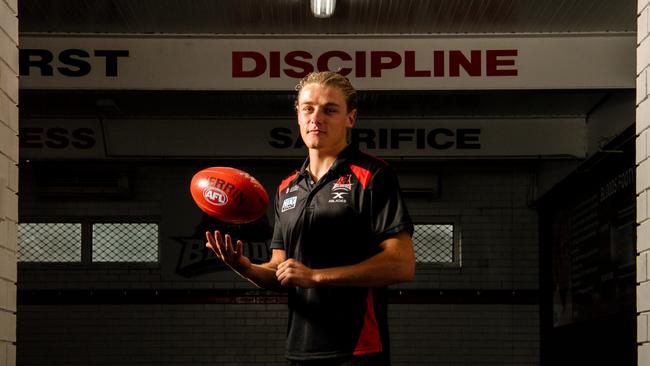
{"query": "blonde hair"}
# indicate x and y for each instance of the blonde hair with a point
(331, 79)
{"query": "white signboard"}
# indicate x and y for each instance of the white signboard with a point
(570, 61)
(268, 138)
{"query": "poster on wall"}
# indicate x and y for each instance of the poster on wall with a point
(588, 223)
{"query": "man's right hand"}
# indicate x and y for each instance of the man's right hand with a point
(232, 256)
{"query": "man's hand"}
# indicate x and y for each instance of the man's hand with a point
(293, 273)
(232, 256)
(393, 264)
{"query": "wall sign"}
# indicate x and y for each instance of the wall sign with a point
(569, 61)
(61, 139)
(274, 138)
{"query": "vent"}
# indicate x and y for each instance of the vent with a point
(424, 185)
(82, 182)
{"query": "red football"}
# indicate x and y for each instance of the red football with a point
(229, 194)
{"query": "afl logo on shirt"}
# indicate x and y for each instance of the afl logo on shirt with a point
(215, 196)
(289, 203)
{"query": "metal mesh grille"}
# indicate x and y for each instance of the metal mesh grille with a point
(119, 242)
(434, 243)
(49, 242)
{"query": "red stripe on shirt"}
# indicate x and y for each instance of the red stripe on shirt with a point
(287, 181)
(362, 174)
(369, 339)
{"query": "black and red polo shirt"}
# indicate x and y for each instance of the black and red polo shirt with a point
(337, 221)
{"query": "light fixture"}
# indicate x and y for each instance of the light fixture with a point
(323, 8)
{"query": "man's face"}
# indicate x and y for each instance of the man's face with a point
(323, 117)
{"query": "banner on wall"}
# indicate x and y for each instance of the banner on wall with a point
(467, 62)
(269, 138)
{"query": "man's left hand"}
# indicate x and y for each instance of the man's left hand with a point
(293, 273)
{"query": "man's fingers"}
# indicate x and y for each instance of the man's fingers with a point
(230, 253)
(283, 273)
(218, 238)
(280, 273)
(223, 242)
(209, 237)
(282, 278)
(216, 244)
(284, 269)
(289, 263)
(223, 247)
(210, 241)
(239, 248)
(228, 244)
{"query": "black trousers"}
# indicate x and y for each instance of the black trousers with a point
(373, 359)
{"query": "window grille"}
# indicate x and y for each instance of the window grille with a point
(125, 242)
(434, 243)
(49, 242)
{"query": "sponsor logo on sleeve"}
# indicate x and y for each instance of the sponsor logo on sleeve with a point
(289, 203)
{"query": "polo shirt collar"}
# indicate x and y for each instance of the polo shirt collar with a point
(339, 163)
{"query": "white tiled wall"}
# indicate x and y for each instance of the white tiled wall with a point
(8, 178)
(643, 182)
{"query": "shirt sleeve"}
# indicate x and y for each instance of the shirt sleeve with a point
(389, 214)
(278, 239)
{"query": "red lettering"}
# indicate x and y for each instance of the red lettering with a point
(274, 64)
(324, 59)
(438, 63)
(493, 61)
(360, 64)
(297, 59)
(458, 59)
(445, 63)
(377, 64)
(238, 64)
(409, 66)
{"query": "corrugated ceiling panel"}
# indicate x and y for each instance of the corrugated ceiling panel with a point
(351, 16)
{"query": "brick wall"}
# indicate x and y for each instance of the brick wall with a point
(473, 334)
(499, 249)
(210, 334)
(643, 181)
(8, 178)
(224, 334)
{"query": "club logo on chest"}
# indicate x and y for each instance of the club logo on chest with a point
(341, 188)
(343, 183)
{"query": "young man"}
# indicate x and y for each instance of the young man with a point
(342, 234)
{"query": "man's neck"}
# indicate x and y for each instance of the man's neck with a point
(321, 161)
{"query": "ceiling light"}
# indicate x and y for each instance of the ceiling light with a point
(323, 8)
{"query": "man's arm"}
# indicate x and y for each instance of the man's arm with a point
(262, 275)
(395, 263)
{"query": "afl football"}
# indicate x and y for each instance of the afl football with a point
(229, 195)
